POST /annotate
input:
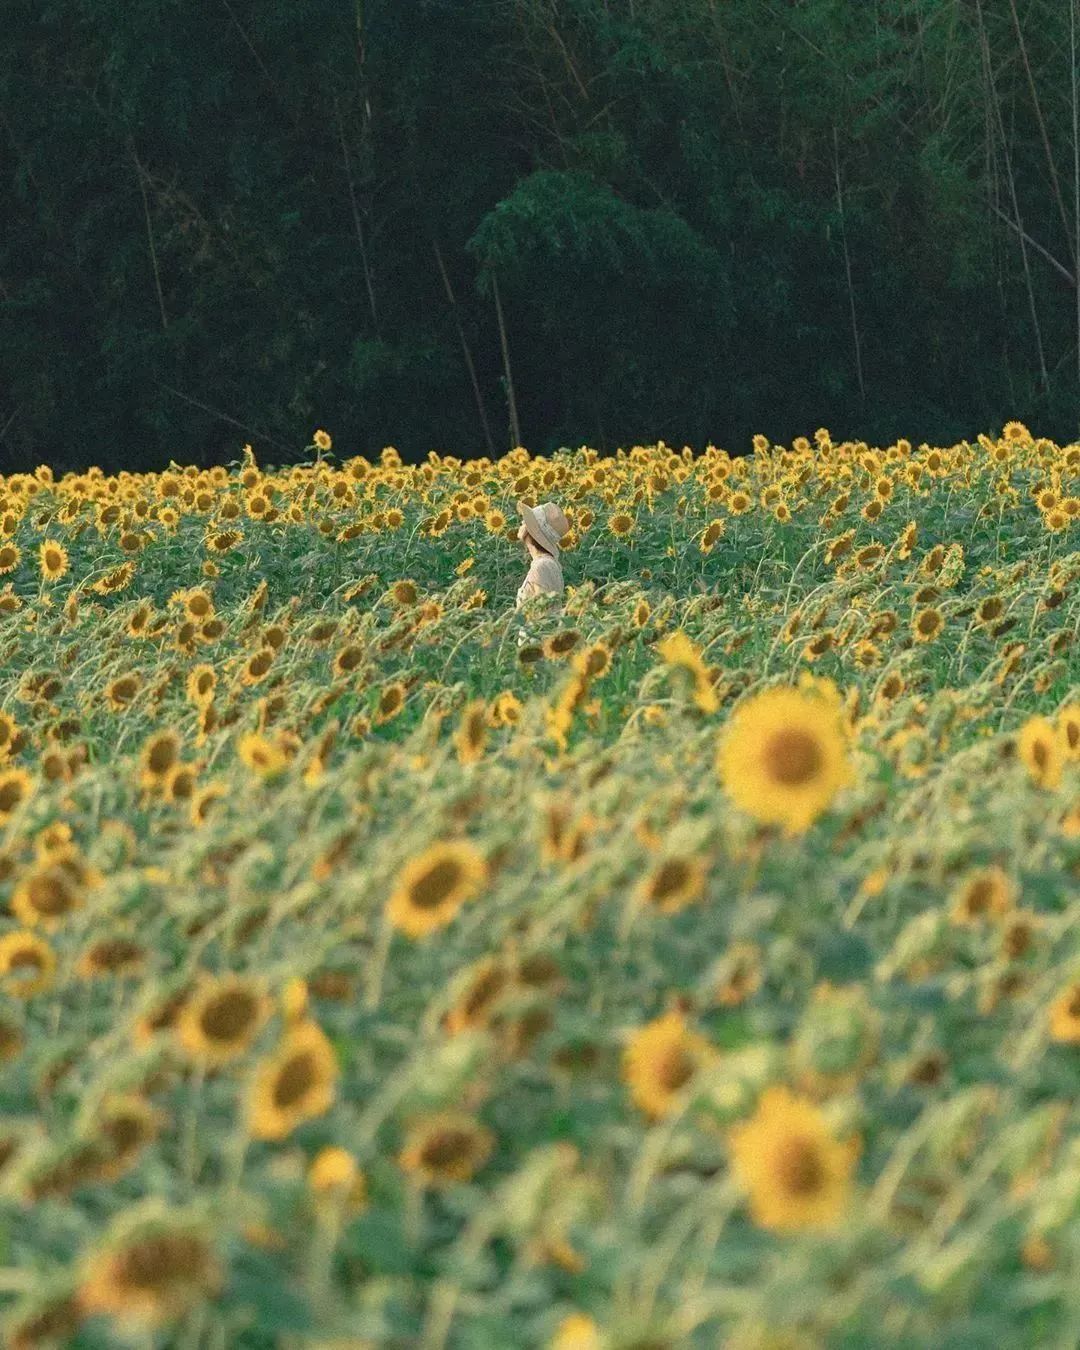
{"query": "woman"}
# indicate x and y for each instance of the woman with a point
(541, 529)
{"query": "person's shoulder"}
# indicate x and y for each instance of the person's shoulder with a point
(548, 569)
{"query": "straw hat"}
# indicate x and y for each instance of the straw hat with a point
(545, 523)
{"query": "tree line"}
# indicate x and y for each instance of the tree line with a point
(464, 226)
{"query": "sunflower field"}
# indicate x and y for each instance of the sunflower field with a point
(688, 960)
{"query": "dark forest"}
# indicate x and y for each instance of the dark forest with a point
(463, 226)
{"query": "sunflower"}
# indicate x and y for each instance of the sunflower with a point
(1064, 1016)
(506, 710)
(931, 565)
(906, 541)
(139, 619)
(866, 654)
(294, 1084)
(1016, 433)
(558, 645)
(576, 1332)
(264, 757)
(16, 787)
(46, 1318)
(347, 660)
(868, 557)
(221, 541)
(150, 1274)
(784, 757)
(990, 609)
(678, 651)
(1069, 728)
(594, 662)
(115, 581)
(471, 732)
(120, 691)
(159, 754)
(642, 611)
(53, 559)
(711, 534)
(222, 1019)
(322, 440)
(738, 974)
(208, 721)
(837, 547)
(110, 956)
(673, 884)
(126, 1125)
(322, 631)
(986, 893)
(404, 593)
(45, 896)
(391, 701)
(1041, 751)
(257, 667)
(927, 624)
(201, 683)
(334, 1176)
(9, 735)
(621, 524)
(432, 887)
(444, 1148)
(9, 558)
(477, 996)
(797, 1174)
(661, 1062)
(27, 964)
(11, 1045)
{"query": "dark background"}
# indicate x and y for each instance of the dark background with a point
(689, 219)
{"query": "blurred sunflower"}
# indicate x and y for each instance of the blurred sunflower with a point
(27, 964)
(446, 1148)
(294, 1084)
(796, 1174)
(783, 757)
(432, 887)
(221, 1019)
(661, 1062)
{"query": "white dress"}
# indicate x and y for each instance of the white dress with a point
(545, 575)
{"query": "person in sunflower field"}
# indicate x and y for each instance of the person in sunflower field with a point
(541, 529)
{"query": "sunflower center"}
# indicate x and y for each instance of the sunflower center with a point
(671, 879)
(675, 1069)
(125, 1133)
(295, 1081)
(799, 1166)
(26, 958)
(793, 757)
(486, 989)
(445, 1148)
(431, 889)
(157, 1261)
(162, 756)
(1040, 755)
(978, 897)
(229, 1015)
(48, 895)
(1074, 1003)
